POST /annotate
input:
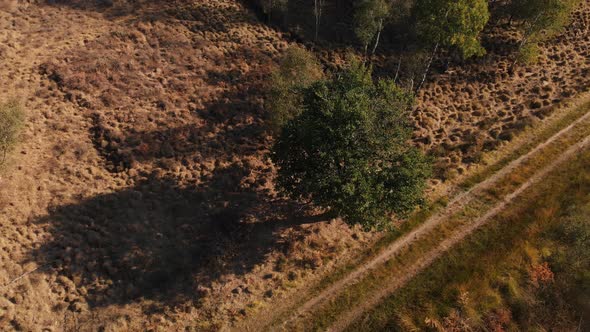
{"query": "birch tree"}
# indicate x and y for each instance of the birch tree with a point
(370, 17)
(539, 20)
(318, 6)
(452, 24)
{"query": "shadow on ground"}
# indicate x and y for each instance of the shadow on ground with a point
(162, 242)
(199, 205)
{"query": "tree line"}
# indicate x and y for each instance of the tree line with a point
(431, 25)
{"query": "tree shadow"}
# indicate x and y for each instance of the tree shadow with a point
(163, 242)
(170, 232)
(233, 125)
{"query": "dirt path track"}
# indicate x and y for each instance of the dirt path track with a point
(348, 317)
(459, 202)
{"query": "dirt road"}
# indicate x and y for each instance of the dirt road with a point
(348, 317)
(458, 203)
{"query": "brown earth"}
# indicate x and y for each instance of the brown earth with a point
(142, 197)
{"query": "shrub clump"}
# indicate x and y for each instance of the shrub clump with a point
(11, 122)
(298, 69)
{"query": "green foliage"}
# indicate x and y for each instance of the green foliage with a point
(348, 150)
(575, 233)
(298, 69)
(11, 121)
(453, 23)
(490, 273)
(529, 53)
(369, 18)
(541, 19)
(546, 16)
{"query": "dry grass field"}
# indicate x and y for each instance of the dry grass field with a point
(141, 196)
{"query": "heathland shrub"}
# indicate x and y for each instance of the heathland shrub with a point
(11, 121)
(297, 70)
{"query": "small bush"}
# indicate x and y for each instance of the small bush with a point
(529, 54)
(11, 121)
(298, 69)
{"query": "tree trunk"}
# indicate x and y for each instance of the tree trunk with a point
(317, 4)
(431, 59)
(427, 68)
(520, 46)
(378, 37)
(399, 64)
(527, 34)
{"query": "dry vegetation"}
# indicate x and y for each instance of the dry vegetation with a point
(145, 194)
(350, 301)
(142, 196)
(475, 107)
(533, 279)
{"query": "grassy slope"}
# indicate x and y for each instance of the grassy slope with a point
(488, 280)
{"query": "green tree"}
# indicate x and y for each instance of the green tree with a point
(297, 70)
(349, 150)
(370, 17)
(540, 20)
(11, 122)
(452, 24)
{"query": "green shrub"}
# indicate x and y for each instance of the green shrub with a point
(298, 69)
(11, 121)
(349, 149)
(528, 53)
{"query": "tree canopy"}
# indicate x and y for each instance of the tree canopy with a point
(453, 23)
(370, 16)
(348, 149)
(540, 20)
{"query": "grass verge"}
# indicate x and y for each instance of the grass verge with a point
(529, 279)
(492, 162)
